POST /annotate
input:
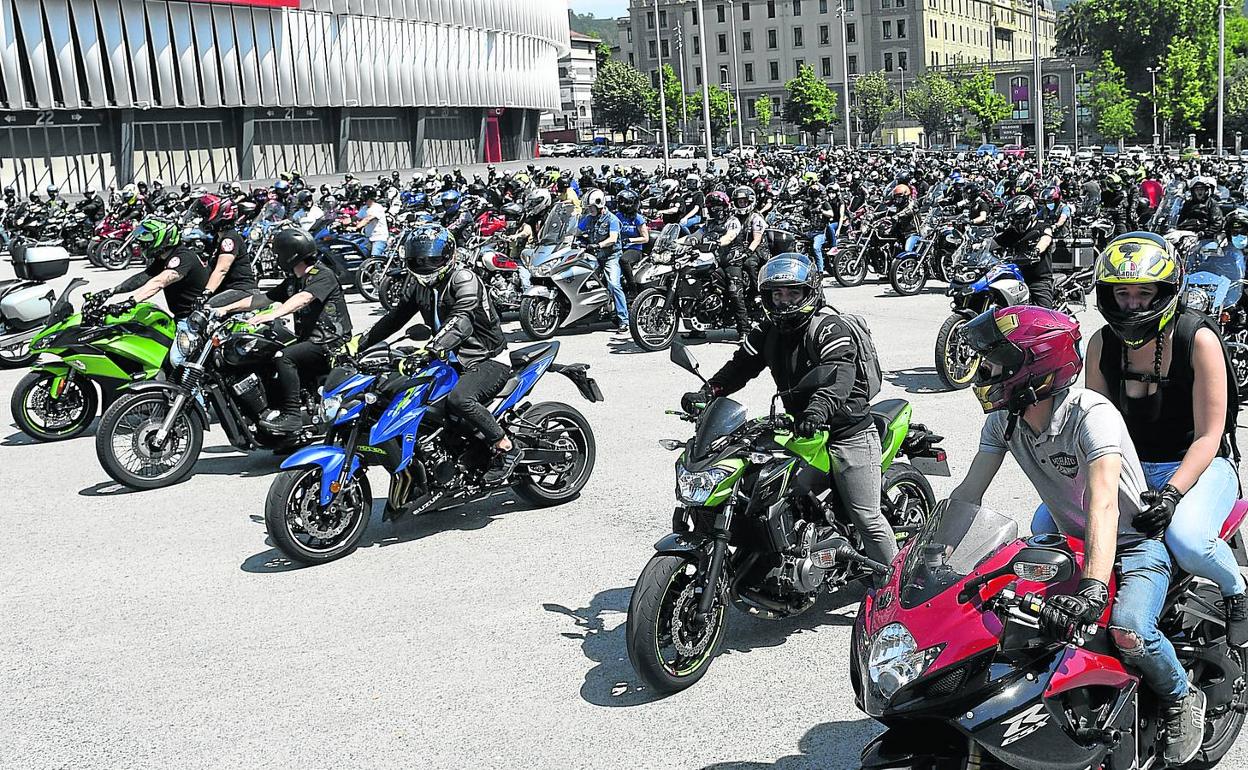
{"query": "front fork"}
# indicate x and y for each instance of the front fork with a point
(719, 551)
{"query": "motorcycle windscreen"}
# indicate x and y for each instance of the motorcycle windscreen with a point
(560, 225)
(956, 538)
(980, 259)
(722, 416)
(667, 238)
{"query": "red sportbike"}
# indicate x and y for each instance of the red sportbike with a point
(949, 657)
(105, 249)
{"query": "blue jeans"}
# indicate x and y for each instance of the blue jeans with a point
(691, 224)
(377, 248)
(1193, 533)
(1144, 574)
(610, 264)
(828, 238)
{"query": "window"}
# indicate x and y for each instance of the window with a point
(719, 14)
(721, 42)
(823, 6)
(1050, 85)
(851, 33)
(667, 49)
(663, 19)
(797, 7)
(773, 39)
(886, 3)
(903, 60)
(697, 75)
(888, 29)
(797, 66)
(747, 41)
(651, 48)
(776, 105)
(1020, 97)
(853, 64)
(695, 15)
(749, 72)
(697, 45)
(750, 109)
(888, 62)
(723, 75)
(771, 9)
(773, 70)
(849, 6)
(825, 34)
(745, 12)
(649, 19)
(797, 37)
(899, 3)
(654, 77)
(901, 29)
(632, 61)
(825, 67)
(629, 30)
(563, 72)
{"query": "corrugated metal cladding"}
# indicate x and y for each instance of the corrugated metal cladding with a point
(97, 92)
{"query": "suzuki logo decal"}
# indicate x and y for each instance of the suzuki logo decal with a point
(1025, 723)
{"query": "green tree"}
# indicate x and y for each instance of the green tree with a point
(811, 104)
(1183, 95)
(762, 112)
(932, 102)
(671, 93)
(722, 111)
(1113, 105)
(620, 94)
(1054, 114)
(602, 53)
(876, 101)
(981, 98)
(1073, 29)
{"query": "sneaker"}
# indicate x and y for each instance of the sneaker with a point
(1237, 619)
(620, 329)
(282, 422)
(1185, 726)
(502, 466)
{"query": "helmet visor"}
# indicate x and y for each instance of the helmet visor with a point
(985, 336)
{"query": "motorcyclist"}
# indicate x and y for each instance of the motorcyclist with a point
(753, 234)
(172, 267)
(306, 213)
(372, 222)
(453, 214)
(1029, 240)
(229, 263)
(465, 331)
(903, 210)
(130, 204)
(1117, 206)
(601, 229)
(721, 232)
(1074, 447)
(311, 293)
(798, 334)
(1056, 214)
(92, 206)
(634, 230)
(830, 211)
(1201, 212)
(692, 204)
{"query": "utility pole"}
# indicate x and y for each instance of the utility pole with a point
(1152, 72)
(1221, 69)
(1074, 103)
(1036, 85)
(840, 11)
(736, 72)
(658, 41)
(678, 29)
(706, 77)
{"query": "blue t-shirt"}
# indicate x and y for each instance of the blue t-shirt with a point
(630, 227)
(599, 228)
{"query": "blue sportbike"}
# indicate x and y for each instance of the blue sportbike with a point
(318, 507)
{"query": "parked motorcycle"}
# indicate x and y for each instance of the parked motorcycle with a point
(949, 657)
(318, 508)
(105, 248)
(980, 282)
(26, 302)
(928, 254)
(872, 249)
(750, 527)
(692, 296)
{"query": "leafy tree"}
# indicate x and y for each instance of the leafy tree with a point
(762, 112)
(671, 93)
(722, 111)
(876, 101)
(602, 53)
(620, 95)
(1073, 29)
(811, 104)
(1113, 105)
(981, 98)
(932, 102)
(1054, 114)
(1183, 95)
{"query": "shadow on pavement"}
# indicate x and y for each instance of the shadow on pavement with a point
(108, 488)
(18, 439)
(613, 682)
(922, 379)
(826, 746)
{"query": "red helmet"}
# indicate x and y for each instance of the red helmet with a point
(214, 210)
(1029, 354)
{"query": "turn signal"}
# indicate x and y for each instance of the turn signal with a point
(334, 487)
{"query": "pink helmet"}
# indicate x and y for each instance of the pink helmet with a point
(1036, 349)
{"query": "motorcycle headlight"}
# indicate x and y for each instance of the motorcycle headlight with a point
(329, 409)
(183, 345)
(255, 234)
(545, 269)
(695, 488)
(895, 661)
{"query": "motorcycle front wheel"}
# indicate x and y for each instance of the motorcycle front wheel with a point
(44, 418)
(306, 531)
(651, 322)
(908, 276)
(849, 266)
(668, 645)
(368, 278)
(126, 441)
(540, 317)
(956, 363)
(112, 256)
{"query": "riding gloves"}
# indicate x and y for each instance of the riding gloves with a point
(1061, 615)
(1162, 503)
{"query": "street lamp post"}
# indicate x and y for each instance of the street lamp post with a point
(1074, 104)
(1152, 72)
(1221, 69)
(658, 42)
(840, 11)
(706, 77)
(684, 107)
(1037, 86)
(736, 71)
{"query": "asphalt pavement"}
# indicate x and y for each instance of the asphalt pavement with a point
(162, 629)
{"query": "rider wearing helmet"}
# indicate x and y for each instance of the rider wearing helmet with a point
(1056, 214)
(720, 233)
(1116, 205)
(797, 335)
(903, 209)
(172, 267)
(230, 267)
(601, 229)
(753, 232)
(1167, 370)
(831, 210)
(312, 294)
(1028, 239)
(456, 306)
(307, 213)
(691, 205)
(1075, 448)
(634, 231)
(1201, 212)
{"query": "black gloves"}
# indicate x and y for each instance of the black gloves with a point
(1154, 519)
(1062, 615)
(811, 422)
(695, 401)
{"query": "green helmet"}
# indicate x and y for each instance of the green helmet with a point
(157, 233)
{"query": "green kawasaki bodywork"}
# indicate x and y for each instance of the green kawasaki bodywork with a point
(132, 346)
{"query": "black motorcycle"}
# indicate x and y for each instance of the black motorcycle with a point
(692, 296)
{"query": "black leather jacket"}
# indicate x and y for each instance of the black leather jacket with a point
(1205, 217)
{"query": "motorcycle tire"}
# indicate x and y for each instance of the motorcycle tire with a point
(947, 345)
(112, 256)
(1222, 731)
(93, 252)
(368, 277)
(661, 590)
(849, 266)
(651, 303)
(33, 387)
(540, 317)
(109, 445)
(391, 290)
(906, 496)
(299, 487)
(17, 355)
(908, 276)
(553, 417)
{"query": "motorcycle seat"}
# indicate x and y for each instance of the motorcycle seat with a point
(886, 411)
(527, 355)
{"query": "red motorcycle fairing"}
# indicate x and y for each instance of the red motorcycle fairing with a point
(1235, 520)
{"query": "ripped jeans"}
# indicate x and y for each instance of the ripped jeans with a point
(1144, 572)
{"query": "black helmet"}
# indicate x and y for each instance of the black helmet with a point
(429, 252)
(292, 245)
(368, 193)
(789, 271)
(1020, 212)
(1236, 224)
(626, 201)
(185, 187)
(304, 198)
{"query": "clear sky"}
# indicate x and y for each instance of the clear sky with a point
(603, 9)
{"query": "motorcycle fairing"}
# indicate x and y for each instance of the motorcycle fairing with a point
(813, 451)
(1004, 270)
(526, 378)
(330, 459)
(351, 387)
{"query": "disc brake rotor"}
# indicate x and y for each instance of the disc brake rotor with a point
(145, 445)
(688, 642)
(323, 523)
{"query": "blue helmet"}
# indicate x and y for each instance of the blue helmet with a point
(447, 201)
(790, 271)
(429, 251)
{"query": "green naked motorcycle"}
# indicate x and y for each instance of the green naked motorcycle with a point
(106, 346)
(750, 527)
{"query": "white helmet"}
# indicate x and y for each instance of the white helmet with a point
(595, 198)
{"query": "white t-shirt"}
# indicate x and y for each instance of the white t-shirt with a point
(376, 230)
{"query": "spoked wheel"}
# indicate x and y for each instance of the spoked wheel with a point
(540, 317)
(956, 362)
(128, 447)
(15, 355)
(669, 643)
(47, 417)
(908, 276)
(562, 429)
(308, 532)
(368, 277)
(849, 266)
(652, 323)
(906, 498)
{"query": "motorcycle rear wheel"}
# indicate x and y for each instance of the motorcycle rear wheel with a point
(540, 317)
(849, 266)
(908, 276)
(30, 412)
(298, 523)
(955, 366)
(16, 355)
(565, 429)
(125, 450)
(653, 324)
(390, 290)
(906, 496)
(661, 621)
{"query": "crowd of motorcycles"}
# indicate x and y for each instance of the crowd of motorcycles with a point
(966, 681)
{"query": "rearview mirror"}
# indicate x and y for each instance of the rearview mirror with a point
(681, 356)
(419, 332)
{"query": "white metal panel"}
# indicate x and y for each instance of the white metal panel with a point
(246, 41)
(206, 51)
(61, 51)
(335, 61)
(419, 63)
(227, 51)
(184, 48)
(284, 23)
(115, 44)
(30, 18)
(348, 35)
(166, 92)
(9, 69)
(317, 29)
(92, 59)
(261, 19)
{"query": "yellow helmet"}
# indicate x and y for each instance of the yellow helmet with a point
(1138, 258)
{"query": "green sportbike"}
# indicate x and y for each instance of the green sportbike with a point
(103, 350)
(751, 527)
